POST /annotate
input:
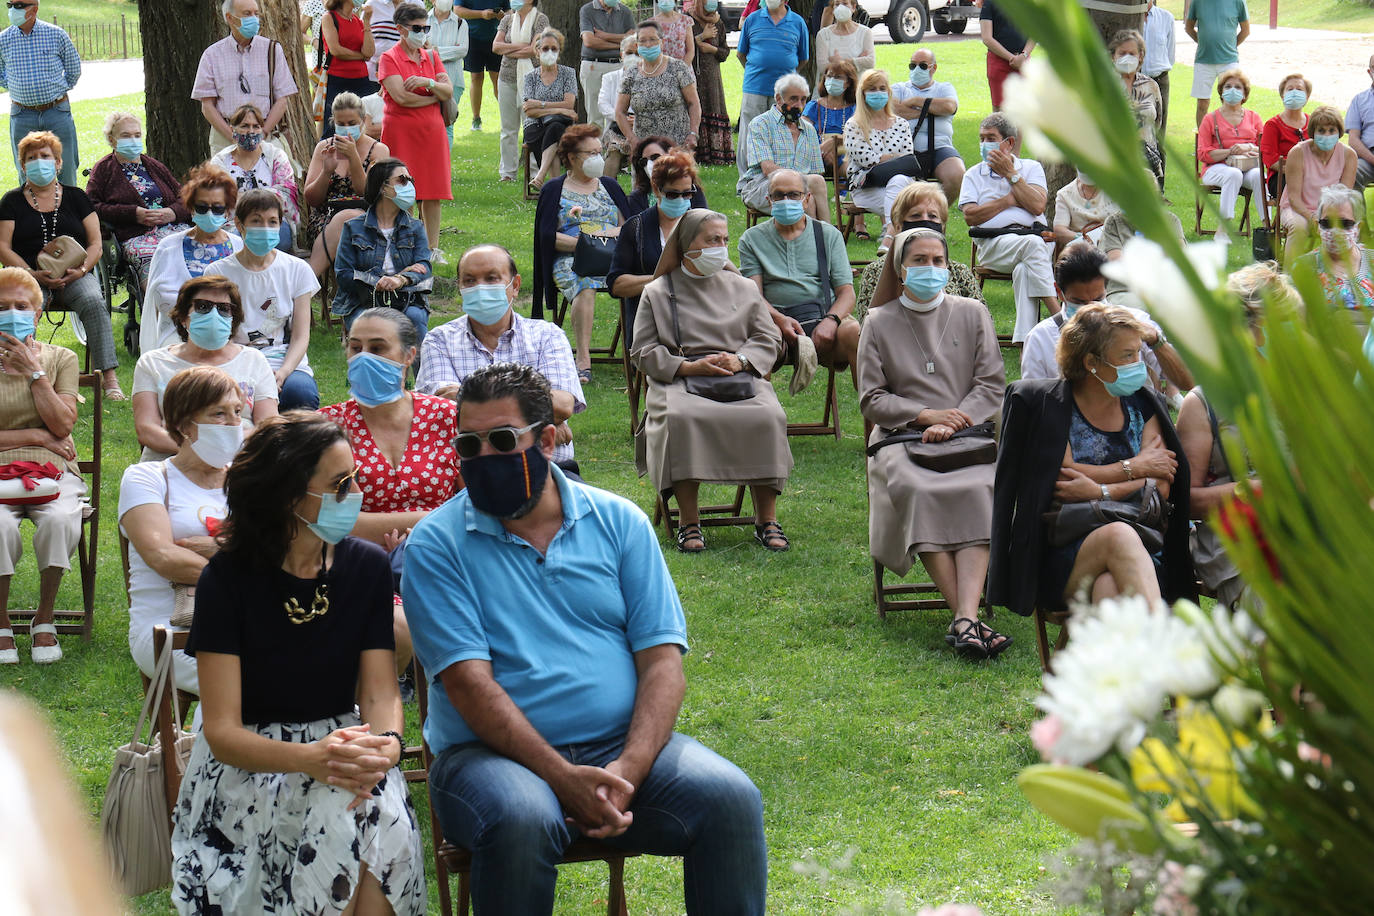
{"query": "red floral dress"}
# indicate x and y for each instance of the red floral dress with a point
(428, 474)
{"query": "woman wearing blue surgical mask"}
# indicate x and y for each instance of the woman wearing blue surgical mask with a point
(929, 362)
(1313, 165)
(137, 196)
(209, 194)
(207, 314)
(256, 162)
(1127, 49)
(831, 110)
(302, 755)
(336, 176)
(675, 28)
(346, 34)
(276, 289)
(1344, 267)
(1286, 129)
(662, 93)
(384, 256)
(1228, 144)
(36, 215)
(879, 155)
(1097, 433)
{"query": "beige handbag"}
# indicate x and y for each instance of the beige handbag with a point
(134, 821)
(61, 255)
(183, 605)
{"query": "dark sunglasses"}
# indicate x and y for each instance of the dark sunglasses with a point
(921, 66)
(1334, 223)
(400, 181)
(217, 209)
(680, 195)
(205, 307)
(419, 29)
(342, 488)
(19, 6)
(502, 438)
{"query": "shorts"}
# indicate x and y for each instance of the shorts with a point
(753, 190)
(945, 152)
(1205, 77)
(481, 57)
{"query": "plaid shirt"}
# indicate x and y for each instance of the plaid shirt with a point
(39, 67)
(451, 353)
(226, 69)
(771, 138)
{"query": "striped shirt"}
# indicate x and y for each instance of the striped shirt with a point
(40, 67)
(17, 408)
(234, 76)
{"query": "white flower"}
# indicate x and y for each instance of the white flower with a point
(1053, 117)
(1231, 637)
(1150, 274)
(1238, 706)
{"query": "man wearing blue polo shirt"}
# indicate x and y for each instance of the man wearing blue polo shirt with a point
(772, 43)
(544, 613)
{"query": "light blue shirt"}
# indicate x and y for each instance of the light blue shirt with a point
(1159, 42)
(1359, 117)
(560, 630)
(944, 124)
(772, 49)
(39, 67)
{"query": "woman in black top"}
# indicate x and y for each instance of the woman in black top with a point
(41, 210)
(292, 801)
(645, 154)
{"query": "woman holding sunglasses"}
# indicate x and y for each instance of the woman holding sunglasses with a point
(292, 786)
(413, 124)
(209, 194)
(207, 313)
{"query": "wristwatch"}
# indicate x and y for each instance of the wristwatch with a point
(37, 375)
(1015, 178)
(743, 361)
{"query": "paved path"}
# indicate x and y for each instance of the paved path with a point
(102, 79)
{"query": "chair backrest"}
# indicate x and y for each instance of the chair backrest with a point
(90, 466)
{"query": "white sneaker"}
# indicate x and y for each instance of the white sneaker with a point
(437, 257)
(8, 656)
(44, 655)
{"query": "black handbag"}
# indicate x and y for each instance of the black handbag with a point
(810, 314)
(1262, 243)
(725, 388)
(1149, 516)
(592, 256)
(974, 445)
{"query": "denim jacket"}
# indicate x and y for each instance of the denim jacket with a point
(362, 251)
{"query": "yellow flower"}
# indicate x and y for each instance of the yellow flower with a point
(1202, 759)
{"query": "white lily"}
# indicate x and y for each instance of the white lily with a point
(1148, 272)
(1053, 118)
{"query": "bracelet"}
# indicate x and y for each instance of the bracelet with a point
(837, 319)
(1126, 466)
(400, 739)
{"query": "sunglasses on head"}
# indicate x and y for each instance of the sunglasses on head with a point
(206, 306)
(341, 489)
(679, 195)
(1334, 223)
(502, 438)
(217, 209)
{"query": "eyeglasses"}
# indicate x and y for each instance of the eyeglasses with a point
(206, 306)
(589, 152)
(502, 438)
(341, 489)
(921, 66)
(20, 6)
(680, 195)
(788, 195)
(400, 181)
(1334, 223)
(420, 29)
(217, 209)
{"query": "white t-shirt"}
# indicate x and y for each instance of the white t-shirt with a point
(982, 184)
(269, 297)
(944, 124)
(150, 595)
(249, 368)
(1037, 354)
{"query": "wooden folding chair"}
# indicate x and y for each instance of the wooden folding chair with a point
(526, 155)
(610, 354)
(451, 859)
(982, 275)
(1246, 198)
(847, 213)
(728, 515)
(636, 382)
(752, 217)
(829, 424)
(1043, 621)
(88, 547)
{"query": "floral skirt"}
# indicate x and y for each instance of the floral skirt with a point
(139, 249)
(283, 843)
(715, 146)
(569, 283)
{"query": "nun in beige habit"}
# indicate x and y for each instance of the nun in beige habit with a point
(725, 328)
(930, 361)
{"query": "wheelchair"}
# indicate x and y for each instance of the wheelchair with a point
(116, 270)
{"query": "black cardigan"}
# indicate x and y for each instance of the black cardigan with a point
(545, 292)
(1035, 431)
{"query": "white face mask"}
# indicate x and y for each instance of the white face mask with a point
(774, 4)
(548, 58)
(843, 13)
(443, 6)
(1127, 63)
(709, 261)
(594, 166)
(217, 444)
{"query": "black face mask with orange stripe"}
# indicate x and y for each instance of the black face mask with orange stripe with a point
(506, 485)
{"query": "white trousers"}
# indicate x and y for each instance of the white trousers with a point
(1028, 258)
(592, 72)
(1221, 175)
(508, 100)
(880, 199)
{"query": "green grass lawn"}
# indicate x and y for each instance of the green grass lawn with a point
(1341, 15)
(88, 12)
(861, 734)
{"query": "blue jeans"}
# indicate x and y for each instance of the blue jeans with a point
(694, 803)
(58, 119)
(298, 392)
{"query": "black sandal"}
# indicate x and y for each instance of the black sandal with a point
(771, 532)
(964, 638)
(686, 533)
(989, 636)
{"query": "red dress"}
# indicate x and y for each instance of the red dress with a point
(416, 136)
(428, 474)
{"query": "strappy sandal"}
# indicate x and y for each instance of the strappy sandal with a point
(770, 535)
(861, 233)
(963, 637)
(114, 393)
(687, 533)
(989, 636)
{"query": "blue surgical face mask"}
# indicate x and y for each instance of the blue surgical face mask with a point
(876, 100)
(17, 323)
(336, 519)
(834, 86)
(403, 195)
(517, 5)
(486, 303)
(1232, 96)
(1294, 99)
(712, 5)
(925, 281)
(248, 26)
(921, 78)
(17, 17)
(209, 331)
(1326, 142)
(788, 212)
(674, 207)
(351, 131)
(650, 53)
(41, 172)
(209, 223)
(129, 147)
(988, 146)
(667, 6)
(261, 239)
(375, 380)
(1130, 378)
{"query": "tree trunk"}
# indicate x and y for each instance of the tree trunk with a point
(808, 69)
(281, 19)
(563, 16)
(176, 130)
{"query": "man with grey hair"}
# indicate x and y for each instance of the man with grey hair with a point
(771, 45)
(781, 138)
(1003, 201)
(240, 69)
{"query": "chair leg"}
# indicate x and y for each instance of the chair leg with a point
(1042, 641)
(464, 894)
(878, 590)
(615, 891)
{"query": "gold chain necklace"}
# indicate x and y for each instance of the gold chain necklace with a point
(319, 605)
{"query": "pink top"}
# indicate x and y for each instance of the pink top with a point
(1315, 175)
(676, 34)
(1217, 133)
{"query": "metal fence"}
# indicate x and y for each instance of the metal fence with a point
(112, 40)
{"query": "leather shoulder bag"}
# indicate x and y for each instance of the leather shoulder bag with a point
(974, 445)
(1149, 516)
